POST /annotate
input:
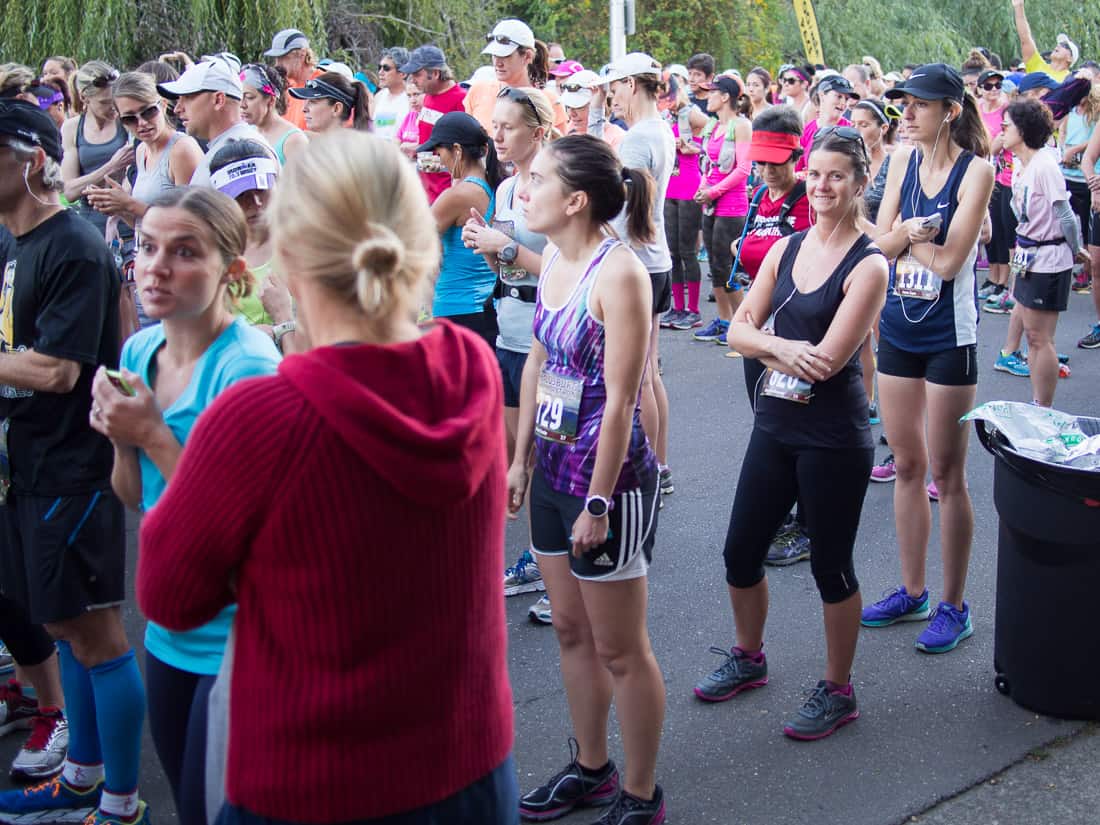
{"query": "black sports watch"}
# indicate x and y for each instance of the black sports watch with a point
(596, 506)
(509, 253)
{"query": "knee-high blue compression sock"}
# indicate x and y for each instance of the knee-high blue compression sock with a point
(80, 710)
(120, 714)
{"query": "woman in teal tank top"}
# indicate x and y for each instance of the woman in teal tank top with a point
(263, 104)
(459, 144)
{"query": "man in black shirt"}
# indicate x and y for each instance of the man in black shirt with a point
(701, 69)
(62, 530)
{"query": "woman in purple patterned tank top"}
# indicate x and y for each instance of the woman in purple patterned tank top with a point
(594, 493)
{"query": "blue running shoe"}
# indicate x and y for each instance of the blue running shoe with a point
(1013, 364)
(57, 797)
(872, 413)
(721, 339)
(897, 606)
(948, 627)
(523, 576)
(711, 331)
(103, 818)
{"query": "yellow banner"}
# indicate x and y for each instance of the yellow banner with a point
(807, 25)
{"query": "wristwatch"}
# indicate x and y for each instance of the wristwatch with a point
(596, 506)
(279, 331)
(509, 253)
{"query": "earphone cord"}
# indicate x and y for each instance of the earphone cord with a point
(27, 183)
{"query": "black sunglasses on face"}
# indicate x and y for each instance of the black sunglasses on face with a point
(521, 97)
(989, 87)
(572, 87)
(148, 114)
(382, 67)
(788, 81)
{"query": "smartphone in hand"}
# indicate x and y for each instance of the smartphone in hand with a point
(120, 384)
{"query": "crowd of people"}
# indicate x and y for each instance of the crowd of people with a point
(312, 321)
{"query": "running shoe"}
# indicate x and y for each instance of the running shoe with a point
(58, 797)
(787, 530)
(886, 471)
(897, 606)
(669, 317)
(104, 818)
(629, 810)
(999, 304)
(665, 480)
(523, 576)
(1082, 283)
(1063, 358)
(17, 712)
(1092, 339)
(711, 331)
(825, 711)
(687, 320)
(872, 414)
(43, 754)
(933, 491)
(948, 627)
(794, 549)
(539, 612)
(1064, 371)
(882, 440)
(737, 673)
(721, 339)
(7, 663)
(1013, 363)
(987, 289)
(571, 787)
(711, 299)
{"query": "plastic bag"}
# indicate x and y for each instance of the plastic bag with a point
(1044, 434)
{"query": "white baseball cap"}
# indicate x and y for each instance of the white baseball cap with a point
(213, 74)
(576, 90)
(678, 69)
(632, 64)
(1063, 40)
(287, 41)
(507, 36)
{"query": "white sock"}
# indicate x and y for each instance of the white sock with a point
(82, 776)
(119, 804)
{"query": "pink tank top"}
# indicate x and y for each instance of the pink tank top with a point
(686, 177)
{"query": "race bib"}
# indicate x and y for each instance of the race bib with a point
(1022, 261)
(788, 387)
(512, 274)
(558, 404)
(912, 279)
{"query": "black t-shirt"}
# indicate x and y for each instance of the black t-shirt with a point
(59, 297)
(7, 246)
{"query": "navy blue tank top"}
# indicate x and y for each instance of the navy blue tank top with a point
(914, 325)
(836, 416)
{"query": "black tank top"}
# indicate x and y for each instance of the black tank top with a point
(836, 416)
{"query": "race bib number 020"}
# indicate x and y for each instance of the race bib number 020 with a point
(912, 279)
(788, 387)
(558, 404)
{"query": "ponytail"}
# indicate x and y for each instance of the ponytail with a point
(639, 199)
(362, 111)
(538, 70)
(968, 130)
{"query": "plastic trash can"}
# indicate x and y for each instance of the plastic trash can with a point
(1046, 650)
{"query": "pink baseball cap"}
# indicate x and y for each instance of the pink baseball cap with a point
(566, 68)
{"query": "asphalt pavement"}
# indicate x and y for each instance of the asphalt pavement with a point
(935, 743)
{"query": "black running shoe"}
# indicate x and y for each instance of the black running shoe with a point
(571, 788)
(629, 810)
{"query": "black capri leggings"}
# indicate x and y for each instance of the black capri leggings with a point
(999, 248)
(683, 220)
(28, 643)
(830, 485)
(177, 721)
(718, 234)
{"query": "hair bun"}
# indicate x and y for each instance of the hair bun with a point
(380, 255)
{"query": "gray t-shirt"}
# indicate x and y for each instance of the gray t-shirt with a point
(515, 318)
(649, 145)
(238, 131)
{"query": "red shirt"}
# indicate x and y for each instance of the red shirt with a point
(357, 499)
(765, 230)
(435, 106)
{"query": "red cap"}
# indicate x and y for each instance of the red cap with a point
(772, 147)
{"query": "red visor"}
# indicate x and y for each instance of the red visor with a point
(772, 147)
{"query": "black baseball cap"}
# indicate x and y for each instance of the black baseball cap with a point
(455, 127)
(29, 124)
(988, 73)
(424, 57)
(932, 81)
(836, 83)
(724, 83)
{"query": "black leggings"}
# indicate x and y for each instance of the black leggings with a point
(28, 643)
(177, 720)
(719, 233)
(830, 485)
(683, 220)
(999, 248)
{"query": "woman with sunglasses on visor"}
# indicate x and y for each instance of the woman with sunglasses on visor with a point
(806, 317)
(937, 195)
(465, 284)
(263, 104)
(332, 101)
(95, 142)
(577, 94)
(518, 60)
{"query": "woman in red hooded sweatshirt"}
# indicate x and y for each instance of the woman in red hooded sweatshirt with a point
(302, 496)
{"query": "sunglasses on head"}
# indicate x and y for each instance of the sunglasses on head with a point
(502, 39)
(148, 114)
(521, 97)
(571, 87)
(846, 133)
(106, 80)
(990, 86)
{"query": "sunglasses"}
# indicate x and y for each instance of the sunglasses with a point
(989, 87)
(521, 97)
(845, 133)
(148, 114)
(571, 87)
(557, 61)
(385, 67)
(789, 81)
(106, 80)
(502, 39)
